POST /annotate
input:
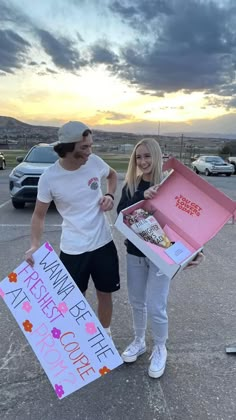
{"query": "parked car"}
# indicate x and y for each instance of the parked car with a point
(232, 160)
(2, 161)
(23, 180)
(212, 165)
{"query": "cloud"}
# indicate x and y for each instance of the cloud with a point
(13, 51)
(175, 45)
(101, 52)
(10, 14)
(139, 13)
(188, 45)
(61, 50)
(114, 116)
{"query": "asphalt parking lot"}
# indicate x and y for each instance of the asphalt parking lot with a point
(200, 378)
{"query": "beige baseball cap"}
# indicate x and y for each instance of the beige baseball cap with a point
(71, 132)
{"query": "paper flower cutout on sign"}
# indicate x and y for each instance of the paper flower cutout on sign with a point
(48, 247)
(26, 306)
(12, 277)
(103, 371)
(59, 390)
(27, 326)
(56, 333)
(90, 328)
(2, 294)
(62, 307)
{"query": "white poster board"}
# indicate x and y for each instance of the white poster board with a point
(62, 329)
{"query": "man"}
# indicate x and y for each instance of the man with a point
(74, 184)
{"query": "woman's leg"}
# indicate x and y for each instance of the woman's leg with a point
(137, 272)
(157, 296)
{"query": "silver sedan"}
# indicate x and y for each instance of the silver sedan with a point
(212, 165)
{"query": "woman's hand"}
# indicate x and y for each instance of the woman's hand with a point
(151, 192)
(200, 258)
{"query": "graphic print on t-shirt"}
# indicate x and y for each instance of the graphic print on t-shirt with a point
(93, 183)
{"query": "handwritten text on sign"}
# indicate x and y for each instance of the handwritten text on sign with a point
(58, 322)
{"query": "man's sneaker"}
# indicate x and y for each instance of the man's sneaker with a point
(158, 361)
(134, 350)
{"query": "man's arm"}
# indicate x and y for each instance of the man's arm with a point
(107, 201)
(37, 226)
(111, 182)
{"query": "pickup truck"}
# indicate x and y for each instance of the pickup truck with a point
(232, 160)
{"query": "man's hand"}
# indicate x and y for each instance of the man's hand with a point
(28, 255)
(151, 192)
(106, 203)
(200, 258)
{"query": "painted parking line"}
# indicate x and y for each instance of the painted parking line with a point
(4, 204)
(26, 225)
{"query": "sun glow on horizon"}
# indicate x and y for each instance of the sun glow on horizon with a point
(97, 98)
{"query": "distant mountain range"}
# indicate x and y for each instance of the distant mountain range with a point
(9, 123)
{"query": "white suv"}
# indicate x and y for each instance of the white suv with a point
(23, 179)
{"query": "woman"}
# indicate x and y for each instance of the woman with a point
(148, 287)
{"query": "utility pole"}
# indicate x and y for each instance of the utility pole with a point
(181, 146)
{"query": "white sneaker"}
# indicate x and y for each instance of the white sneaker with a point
(158, 363)
(134, 350)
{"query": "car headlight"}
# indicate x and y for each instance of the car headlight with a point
(17, 173)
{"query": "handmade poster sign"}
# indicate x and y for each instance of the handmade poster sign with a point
(62, 329)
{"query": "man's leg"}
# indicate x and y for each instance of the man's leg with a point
(105, 275)
(104, 308)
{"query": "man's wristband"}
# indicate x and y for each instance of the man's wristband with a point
(110, 195)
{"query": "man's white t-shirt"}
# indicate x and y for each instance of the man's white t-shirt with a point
(76, 195)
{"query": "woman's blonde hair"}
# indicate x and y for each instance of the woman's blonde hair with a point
(133, 175)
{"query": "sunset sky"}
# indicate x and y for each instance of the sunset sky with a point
(128, 65)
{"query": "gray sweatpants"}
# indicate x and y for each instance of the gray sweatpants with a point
(148, 290)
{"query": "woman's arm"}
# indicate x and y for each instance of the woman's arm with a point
(126, 200)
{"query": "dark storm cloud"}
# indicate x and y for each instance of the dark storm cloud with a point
(102, 53)
(13, 51)
(191, 45)
(139, 13)
(11, 14)
(61, 50)
(14, 48)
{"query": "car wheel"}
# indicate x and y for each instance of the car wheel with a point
(207, 172)
(196, 170)
(228, 174)
(18, 204)
(3, 166)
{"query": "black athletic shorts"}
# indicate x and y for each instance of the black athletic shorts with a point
(102, 265)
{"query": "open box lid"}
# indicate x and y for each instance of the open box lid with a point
(192, 204)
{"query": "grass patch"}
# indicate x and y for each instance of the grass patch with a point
(11, 155)
(116, 161)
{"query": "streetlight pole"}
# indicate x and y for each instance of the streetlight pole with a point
(181, 146)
